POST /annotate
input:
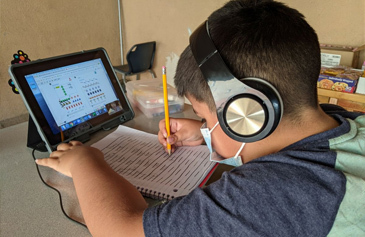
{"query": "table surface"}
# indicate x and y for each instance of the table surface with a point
(27, 206)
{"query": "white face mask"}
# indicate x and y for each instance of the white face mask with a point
(214, 156)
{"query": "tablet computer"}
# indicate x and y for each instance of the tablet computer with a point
(71, 96)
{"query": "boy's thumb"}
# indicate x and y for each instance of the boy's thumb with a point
(178, 138)
(172, 139)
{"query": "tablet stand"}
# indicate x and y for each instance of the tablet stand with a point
(34, 140)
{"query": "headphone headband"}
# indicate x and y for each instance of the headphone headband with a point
(207, 55)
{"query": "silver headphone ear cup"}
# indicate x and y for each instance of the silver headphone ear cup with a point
(245, 116)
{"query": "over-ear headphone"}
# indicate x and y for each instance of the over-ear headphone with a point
(248, 109)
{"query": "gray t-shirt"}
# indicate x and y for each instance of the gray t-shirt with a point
(306, 189)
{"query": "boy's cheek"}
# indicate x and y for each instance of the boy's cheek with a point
(226, 149)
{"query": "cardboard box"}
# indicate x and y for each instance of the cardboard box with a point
(361, 86)
(350, 56)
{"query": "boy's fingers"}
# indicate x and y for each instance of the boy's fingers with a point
(76, 143)
(56, 154)
(161, 139)
(178, 137)
(53, 163)
(172, 139)
(49, 162)
(173, 149)
(162, 127)
(67, 146)
(63, 146)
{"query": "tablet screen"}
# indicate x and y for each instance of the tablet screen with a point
(72, 95)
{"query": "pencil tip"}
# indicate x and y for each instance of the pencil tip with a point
(169, 152)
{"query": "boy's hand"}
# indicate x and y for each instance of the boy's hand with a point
(184, 132)
(70, 155)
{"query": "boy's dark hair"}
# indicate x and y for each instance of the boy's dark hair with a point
(264, 39)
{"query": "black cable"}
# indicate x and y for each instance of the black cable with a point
(59, 193)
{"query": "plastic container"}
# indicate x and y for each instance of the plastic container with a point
(147, 96)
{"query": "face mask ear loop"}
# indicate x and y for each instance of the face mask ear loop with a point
(239, 151)
(211, 130)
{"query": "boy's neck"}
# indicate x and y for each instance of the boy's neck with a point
(288, 132)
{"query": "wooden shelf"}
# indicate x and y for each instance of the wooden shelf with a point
(341, 95)
(351, 102)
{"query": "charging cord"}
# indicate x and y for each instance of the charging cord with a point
(59, 193)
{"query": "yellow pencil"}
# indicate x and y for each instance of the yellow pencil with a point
(166, 104)
(62, 136)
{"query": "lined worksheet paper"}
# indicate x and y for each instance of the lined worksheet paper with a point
(140, 158)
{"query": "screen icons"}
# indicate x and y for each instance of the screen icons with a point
(84, 118)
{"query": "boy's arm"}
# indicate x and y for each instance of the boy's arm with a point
(109, 203)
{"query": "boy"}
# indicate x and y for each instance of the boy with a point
(305, 178)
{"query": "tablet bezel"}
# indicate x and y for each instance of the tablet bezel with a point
(104, 121)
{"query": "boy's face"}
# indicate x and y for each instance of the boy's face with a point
(221, 143)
